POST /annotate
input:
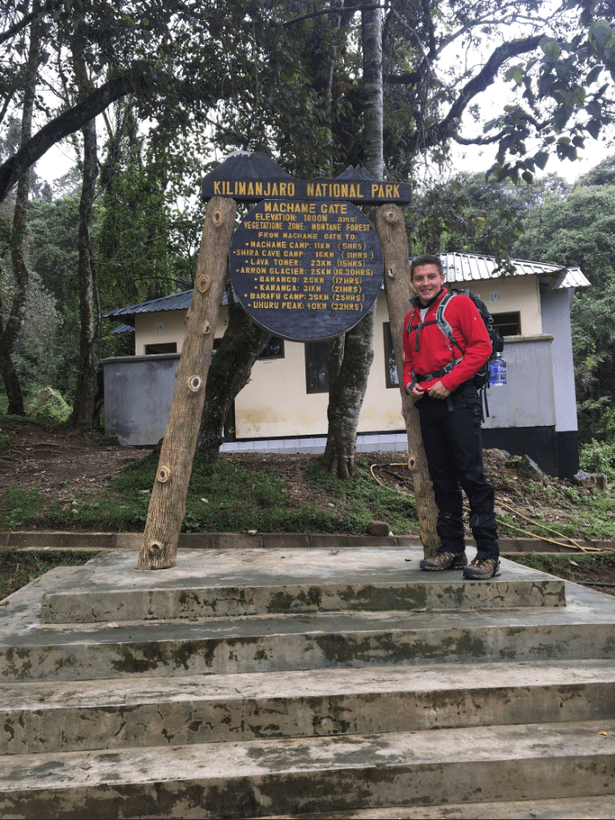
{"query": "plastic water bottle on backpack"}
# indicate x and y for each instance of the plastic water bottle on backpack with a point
(497, 371)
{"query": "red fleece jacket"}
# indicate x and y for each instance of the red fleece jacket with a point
(435, 350)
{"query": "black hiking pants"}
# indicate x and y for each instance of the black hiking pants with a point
(453, 446)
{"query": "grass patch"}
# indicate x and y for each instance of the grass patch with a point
(362, 500)
(19, 508)
(222, 497)
(594, 518)
(569, 566)
(20, 568)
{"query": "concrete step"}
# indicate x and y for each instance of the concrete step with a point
(78, 715)
(583, 629)
(581, 808)
(272, 777)
(209, 583)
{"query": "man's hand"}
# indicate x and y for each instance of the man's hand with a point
(438, 391)
(417, 390)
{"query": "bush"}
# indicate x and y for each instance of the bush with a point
(54, 407)
(599, 457)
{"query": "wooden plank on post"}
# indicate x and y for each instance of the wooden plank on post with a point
(391, 231)
(168, 502)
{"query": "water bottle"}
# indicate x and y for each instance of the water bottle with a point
(497, 371)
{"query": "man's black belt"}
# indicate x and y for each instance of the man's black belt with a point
(425, 377)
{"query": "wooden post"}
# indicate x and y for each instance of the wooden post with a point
(168, 502)
(391, 231)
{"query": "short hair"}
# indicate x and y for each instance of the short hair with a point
(426, 259)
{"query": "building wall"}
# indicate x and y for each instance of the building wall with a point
(507, 294)
(166, 327)
(527, 400)
(535, 407)
(275, 402)
(138, 396)
(556, 306)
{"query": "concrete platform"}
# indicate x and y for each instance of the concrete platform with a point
(208, 583)
(314, 640)
(255, 683)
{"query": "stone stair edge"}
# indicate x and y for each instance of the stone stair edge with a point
(99, 541)
(250, 706)
(112, 651)
(597, 807)
(234, 779)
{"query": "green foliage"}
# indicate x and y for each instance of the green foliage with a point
(48, 349)
(599, 457)
(578, 229)
(137, 258)
(54, 409)
(566, 85)
(53, 250)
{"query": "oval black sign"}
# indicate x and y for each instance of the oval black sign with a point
(306, 270)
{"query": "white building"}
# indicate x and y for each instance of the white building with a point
(284, 405)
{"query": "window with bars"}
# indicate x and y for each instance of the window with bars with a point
(390, 368)
(317, 366)
(509, 324)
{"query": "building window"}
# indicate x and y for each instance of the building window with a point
(317, 366)
(166, 347)
(274, 349)
(509, 324)
(390, 367)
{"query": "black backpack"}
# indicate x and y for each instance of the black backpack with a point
(481, 379)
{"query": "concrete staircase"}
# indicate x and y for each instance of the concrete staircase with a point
(256, 683)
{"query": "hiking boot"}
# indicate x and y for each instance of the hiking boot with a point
(482, 568)
(444, 560)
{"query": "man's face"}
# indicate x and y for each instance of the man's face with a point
(427, 281)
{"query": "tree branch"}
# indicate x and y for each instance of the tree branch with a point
(488, 73)
(478, 84)
(26, 20)
(133, 80)
(334, 10)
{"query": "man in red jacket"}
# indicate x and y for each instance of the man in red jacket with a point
(439, 374)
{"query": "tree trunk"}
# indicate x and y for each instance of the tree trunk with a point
(394, 241)
(230, 371)
(346, 394)
(11, 328)
(87, 384)
(348, 383)
(10, 377)
(373, 116)
(168, 502)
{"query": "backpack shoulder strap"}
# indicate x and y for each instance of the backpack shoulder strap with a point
(443, 324)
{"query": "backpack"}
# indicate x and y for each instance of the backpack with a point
(480, 379)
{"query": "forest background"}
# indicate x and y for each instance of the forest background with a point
(150, 96)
